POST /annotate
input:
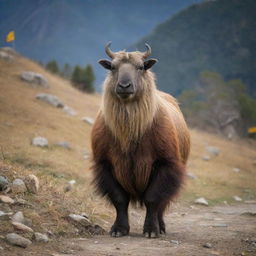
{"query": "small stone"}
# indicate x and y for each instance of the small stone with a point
(237, 198)
(213, 150)
(207, 245)
(50, 99)
(77, 217)
(72, 182)
(39, 237)
(6, 199)
(3, 183)
(175, 242)
(88, 120)
(236, 170)
(206, 158)
(191, 175)
(22, 227)
(40, 142)
(18, 240)
(18, 217)
(70, 111)
(18, 186)
(32, 183)
(63, 144)
(201, 201)
(1, 248)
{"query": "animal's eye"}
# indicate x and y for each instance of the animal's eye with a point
(113, 68)
(140, 67)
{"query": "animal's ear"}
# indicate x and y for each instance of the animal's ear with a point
(149, 63)
(105, 63)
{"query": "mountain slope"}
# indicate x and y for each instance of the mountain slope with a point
(77, 31)
(217, 36)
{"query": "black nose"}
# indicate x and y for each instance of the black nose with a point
(124, 85)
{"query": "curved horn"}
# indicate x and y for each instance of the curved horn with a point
(148, 52)
(108, 51)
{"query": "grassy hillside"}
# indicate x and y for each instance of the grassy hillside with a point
(22, 117)
(216, 36)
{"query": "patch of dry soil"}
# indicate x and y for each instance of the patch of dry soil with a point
(230, 230)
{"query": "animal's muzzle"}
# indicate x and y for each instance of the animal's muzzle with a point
(124, 90)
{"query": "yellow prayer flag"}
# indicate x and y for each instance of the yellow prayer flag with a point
(10, 37)
(252, 130)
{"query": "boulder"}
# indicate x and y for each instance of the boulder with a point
(18, 186)
(32, 183)
(40, 142)
(36, 79)
(50, 99)
(18, 240)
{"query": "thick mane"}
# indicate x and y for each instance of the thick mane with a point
(128, 120)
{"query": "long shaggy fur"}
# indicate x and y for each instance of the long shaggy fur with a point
(133, 139)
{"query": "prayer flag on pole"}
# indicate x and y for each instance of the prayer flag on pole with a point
(10, 37)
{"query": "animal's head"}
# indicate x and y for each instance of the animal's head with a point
(128, 70)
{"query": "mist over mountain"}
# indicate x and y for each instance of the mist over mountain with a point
(76, 31)
(218, 36)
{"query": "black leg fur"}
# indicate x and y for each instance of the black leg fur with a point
(164, 184)
(108, 186)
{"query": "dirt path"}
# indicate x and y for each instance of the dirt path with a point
(230, 230)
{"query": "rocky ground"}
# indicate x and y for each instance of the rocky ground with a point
(193, 231)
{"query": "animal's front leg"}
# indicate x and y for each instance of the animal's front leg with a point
(164, 184)
(108, 185)
(121, 224)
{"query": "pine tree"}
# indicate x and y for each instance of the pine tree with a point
(83, 78)
(77, 76)
(66, 71)
(52, 66)
(88, 79)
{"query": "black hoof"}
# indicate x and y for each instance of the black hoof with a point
(151, 230)
(119, 230)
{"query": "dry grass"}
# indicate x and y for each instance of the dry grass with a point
(22, 117)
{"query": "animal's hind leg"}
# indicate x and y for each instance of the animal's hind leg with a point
(164, 184)
(160, 216)
(108, 186)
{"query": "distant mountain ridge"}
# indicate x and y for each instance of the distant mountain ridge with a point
(76, 31)
(218, 36)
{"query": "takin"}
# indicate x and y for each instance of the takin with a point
(140, 142)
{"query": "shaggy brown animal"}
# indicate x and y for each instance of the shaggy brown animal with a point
(140, 142)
